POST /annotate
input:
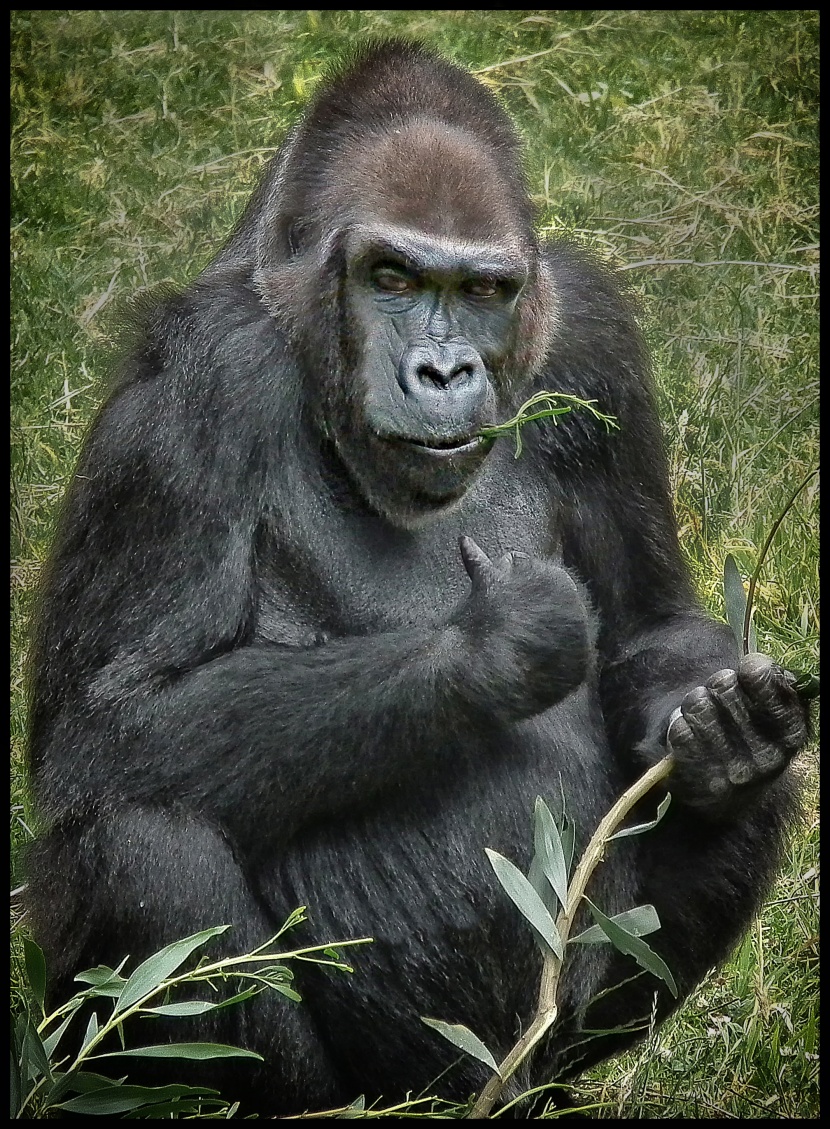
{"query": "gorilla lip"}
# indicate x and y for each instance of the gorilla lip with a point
(441, 448)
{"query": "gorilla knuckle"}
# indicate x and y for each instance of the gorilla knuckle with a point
(722, 680)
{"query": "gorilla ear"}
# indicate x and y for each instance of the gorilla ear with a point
(537, 322)
(293, 237)
(284, 242)
(300, 288)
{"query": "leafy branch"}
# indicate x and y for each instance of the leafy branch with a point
(40, 1076)
(557, 404)
(537, 897)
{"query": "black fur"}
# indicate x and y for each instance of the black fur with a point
(262, 676)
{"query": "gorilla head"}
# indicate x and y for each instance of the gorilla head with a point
(401, 260)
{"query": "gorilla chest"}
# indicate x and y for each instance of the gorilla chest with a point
(352, 573)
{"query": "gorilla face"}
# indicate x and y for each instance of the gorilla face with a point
(430, 322)
(406, 272)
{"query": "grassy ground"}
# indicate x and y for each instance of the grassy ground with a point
(682, 144)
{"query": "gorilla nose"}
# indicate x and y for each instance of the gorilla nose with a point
(443, 368)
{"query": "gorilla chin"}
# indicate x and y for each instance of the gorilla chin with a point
(411, 479)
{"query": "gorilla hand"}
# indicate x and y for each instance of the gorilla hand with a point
(735, 734)
(527, 630)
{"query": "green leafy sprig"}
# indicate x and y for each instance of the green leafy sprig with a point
(556, 404)
(48, 1076)
(549, 898)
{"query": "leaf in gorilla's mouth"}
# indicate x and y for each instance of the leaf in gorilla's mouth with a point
(556, 404)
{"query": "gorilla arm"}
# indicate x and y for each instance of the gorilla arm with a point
(185, 708)
(735, 723)
(157, 691)
(657, 647)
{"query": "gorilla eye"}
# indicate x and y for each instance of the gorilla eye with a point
(393, 280)
(481, 287)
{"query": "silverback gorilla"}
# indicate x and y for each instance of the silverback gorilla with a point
(307, 639)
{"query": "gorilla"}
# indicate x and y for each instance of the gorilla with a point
(307, 638)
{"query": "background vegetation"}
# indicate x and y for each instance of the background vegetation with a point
(682, 144)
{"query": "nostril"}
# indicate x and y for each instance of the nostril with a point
(431, 374)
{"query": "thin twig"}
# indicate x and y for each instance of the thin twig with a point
(753, 580)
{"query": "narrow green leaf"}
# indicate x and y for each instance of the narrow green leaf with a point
(463, 1038)
(538, 880)
(566, 826)
(35, 970)
(254, 990)
(639, 828)
(639, 921)
(187, 1007)
(19, 1064)
(91, 1030)
(567, 835)
(296, 917)
(33, 1058)
(16, 1086)
(276, 972)
(627, 943)
(161, 965)
(50, 1042)
(527, 901)
(75, 1082)
(103, 981)
(289, 993)
(195, 1051)
(734, 599)
(19, 1028)
(101, 974)
(113, 1098)
(181, 1107)
(548, 847)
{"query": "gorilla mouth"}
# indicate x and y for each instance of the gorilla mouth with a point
(445, 446)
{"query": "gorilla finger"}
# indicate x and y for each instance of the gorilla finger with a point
(476, 562)
(705, 781)
(763, 680)
(725, 690)
(741, 772)
(680, 734)
(701, 714)
(770, 697)
(753, 754)
(513, 560)
(697, 739)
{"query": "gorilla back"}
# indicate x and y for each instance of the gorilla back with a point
(308, 639)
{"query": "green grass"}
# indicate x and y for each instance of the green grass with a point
(682, 144)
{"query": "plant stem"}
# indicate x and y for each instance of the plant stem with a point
(753, 580)
(546, 1010)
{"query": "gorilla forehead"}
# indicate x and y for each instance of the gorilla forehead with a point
(434, 177)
